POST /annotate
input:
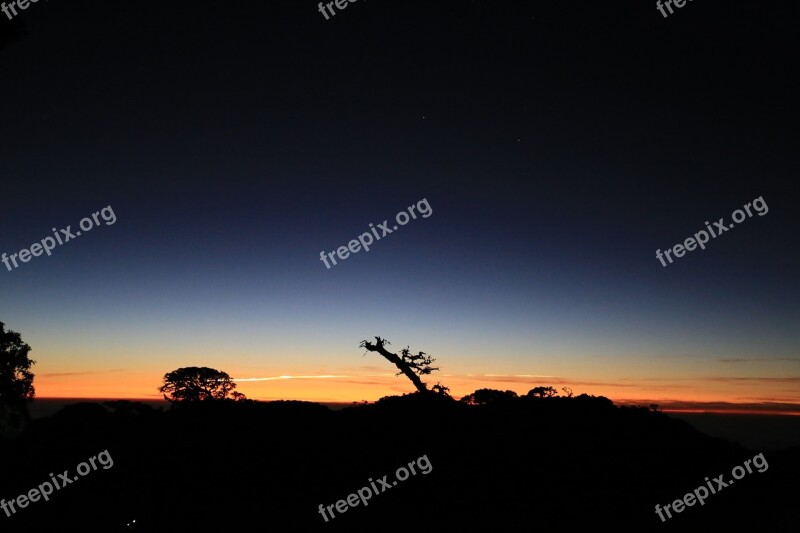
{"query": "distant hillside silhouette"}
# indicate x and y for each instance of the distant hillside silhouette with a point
(516, 464)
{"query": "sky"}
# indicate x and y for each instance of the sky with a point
(553, 148)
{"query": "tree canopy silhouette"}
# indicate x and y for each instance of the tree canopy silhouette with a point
(488, 396)
(16, 378)
(546, 392)
(196, 384)
(412, 365)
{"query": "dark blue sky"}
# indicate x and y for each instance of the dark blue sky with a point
(558, 147)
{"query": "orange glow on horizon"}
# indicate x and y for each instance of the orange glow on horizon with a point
(734, 411)
(340, 387)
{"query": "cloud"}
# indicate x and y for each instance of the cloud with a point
(530, 379)
(721, 379)
(63, 374)
(320, 376)
(771, 407)
(770, 400)
(518, 375)
(733, 360)
(761, 360)
(369, 382)
(746, 381)
(273, 378)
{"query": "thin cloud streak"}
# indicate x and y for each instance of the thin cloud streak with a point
(764, 360)
(64, 374)
(782, 408)
(273, 378)
(516, 376)
(319, 376)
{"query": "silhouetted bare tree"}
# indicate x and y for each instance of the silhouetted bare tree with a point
(412, 365)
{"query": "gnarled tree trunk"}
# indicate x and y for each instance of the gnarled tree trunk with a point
(404, 367)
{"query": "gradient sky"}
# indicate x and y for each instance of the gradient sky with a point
(558, 146)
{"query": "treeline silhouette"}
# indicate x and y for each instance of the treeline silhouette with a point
(500, 462)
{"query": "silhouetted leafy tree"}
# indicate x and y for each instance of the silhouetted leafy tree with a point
(412, 365)
(488, 396)
(196, 384)
(597, 402)
(16, 379)
(542, 392)
(239, 397)
(441, 389)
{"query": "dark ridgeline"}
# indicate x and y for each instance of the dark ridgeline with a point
(499, 462)
(216, 460)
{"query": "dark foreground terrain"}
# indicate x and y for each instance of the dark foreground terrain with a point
(520, 465)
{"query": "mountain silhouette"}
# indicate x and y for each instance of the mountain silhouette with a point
(506, 464)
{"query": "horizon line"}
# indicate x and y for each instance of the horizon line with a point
(671, 406)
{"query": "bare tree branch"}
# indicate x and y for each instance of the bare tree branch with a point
(412, 366)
